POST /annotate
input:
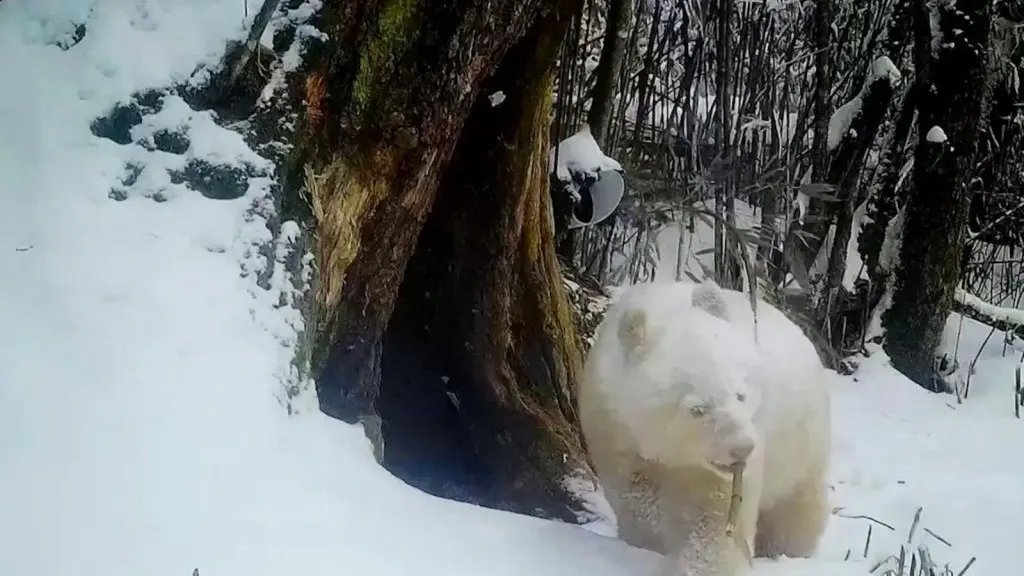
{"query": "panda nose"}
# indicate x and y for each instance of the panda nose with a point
(741, 451)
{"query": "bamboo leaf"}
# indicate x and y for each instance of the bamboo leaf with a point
(819, 190)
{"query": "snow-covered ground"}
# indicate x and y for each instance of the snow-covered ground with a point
(141, 431)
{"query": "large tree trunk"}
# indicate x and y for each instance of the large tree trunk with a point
(822, 88)
(609, 68)
(954, 91)
(442, 322)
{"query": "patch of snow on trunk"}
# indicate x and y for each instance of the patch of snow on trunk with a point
(936, 135)
(842, 119)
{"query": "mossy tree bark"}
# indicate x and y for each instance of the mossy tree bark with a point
(954, 91)
(441, 314)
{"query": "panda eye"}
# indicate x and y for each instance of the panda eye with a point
(741, 396)
(698, 411)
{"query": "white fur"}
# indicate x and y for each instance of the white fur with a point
(689, 346)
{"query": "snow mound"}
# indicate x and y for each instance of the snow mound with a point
(152, 333)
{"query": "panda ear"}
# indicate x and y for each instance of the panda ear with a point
(707, 296)
(632, 331)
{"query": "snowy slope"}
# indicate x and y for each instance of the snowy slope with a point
(140, 431)
(140, 428)
(902, 448)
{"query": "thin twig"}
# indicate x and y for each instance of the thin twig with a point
(937, 537)
(864, 517)
(968, 566)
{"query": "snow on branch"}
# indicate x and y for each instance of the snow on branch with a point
(589, 183)
(1005, 319)
(842, 119)
(579, 159)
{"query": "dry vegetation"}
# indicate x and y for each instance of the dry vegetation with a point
(740, 113)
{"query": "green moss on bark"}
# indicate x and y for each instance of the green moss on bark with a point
(395, 32)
